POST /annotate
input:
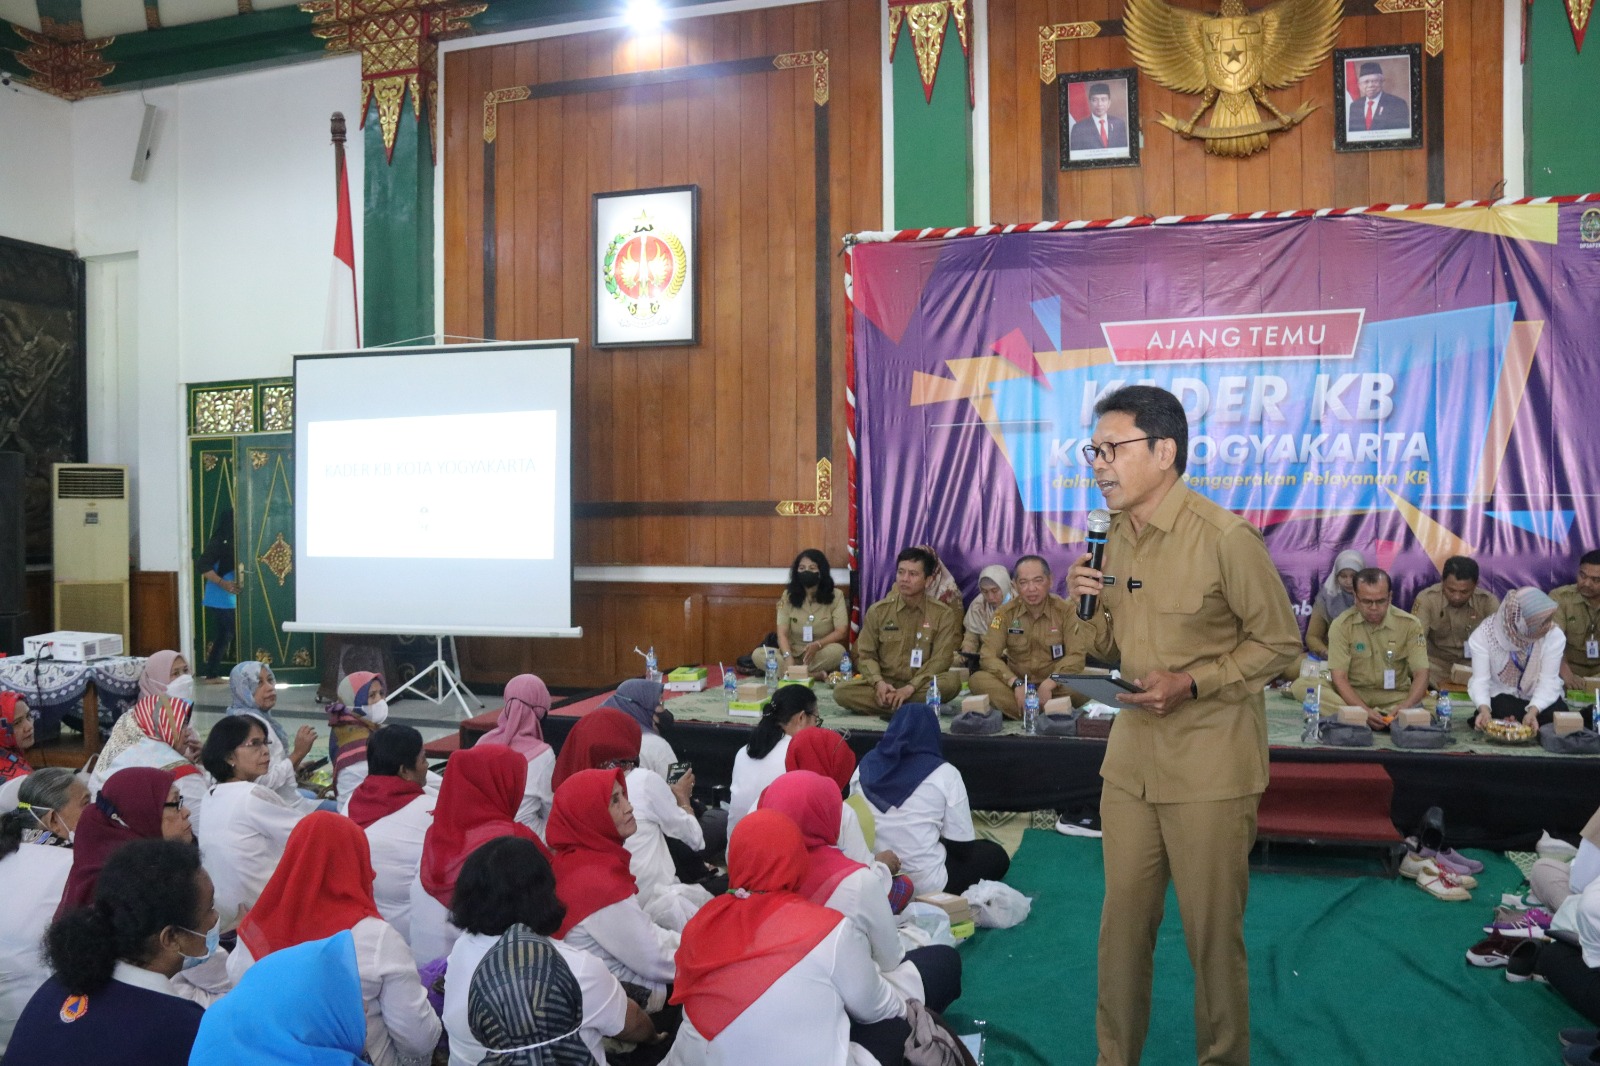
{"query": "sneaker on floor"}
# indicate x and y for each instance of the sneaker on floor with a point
(1079, 824)
(1441, 885)
(1519, 965)
(1491, 952)
(1580, 1055)
(1550, 847)
(1413, 864)
(1519, 925)
(1582, 1037)
(1453, 866)
(1461, 862)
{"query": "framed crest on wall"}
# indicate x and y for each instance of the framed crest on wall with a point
(1100, 118)
(1379, 94)
(646, 278)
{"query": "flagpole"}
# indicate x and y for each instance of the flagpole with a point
(342, 329)
(337, 131)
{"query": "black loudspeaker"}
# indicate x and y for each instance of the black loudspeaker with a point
(11, 548)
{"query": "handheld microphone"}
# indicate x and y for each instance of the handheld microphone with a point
(1099, 525)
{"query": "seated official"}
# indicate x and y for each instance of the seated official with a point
(1377, 653)
(907, 640)
(1516, 661)
(110, 1001)
(994, 590)
(1449, 612)
(395, 808)
(813, 619)
(1338, 595)
(1030, 638)
(1579, 619)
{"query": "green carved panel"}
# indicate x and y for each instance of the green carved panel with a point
(266, 558)
(211, 492)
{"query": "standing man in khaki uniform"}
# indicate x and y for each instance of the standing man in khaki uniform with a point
(1578, 615)
(1449, 612)
(1032, 637)
(907, 639)
(1199, 618)
(1377, 653)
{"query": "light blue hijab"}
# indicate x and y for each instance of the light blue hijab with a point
(243, 680)
(299, 1006)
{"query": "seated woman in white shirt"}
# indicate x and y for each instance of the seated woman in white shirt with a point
(247, 824)
(589, 821)
(608, 739)
(38, 816)
(1516, 661)
(761, 762)
(521, 728)
(395, 808)
(506, 888)
(930, 975)
(767, 976)
(920, 806)
(322, 887)
(254, 693)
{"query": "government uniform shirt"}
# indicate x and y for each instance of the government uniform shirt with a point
(1364, 652)
(1209, 603)
(1448, 628)
(894, 631)
(1581, 623)
(1021, 644)
(821, 618)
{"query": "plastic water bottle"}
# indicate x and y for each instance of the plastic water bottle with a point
(1442, 710)
(845, 666)
(651, 672)
(1311, 707)
(772, 671)
(933, 694)
(730, 684)
(1030, 711)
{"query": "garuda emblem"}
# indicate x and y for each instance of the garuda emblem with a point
(1233, 57)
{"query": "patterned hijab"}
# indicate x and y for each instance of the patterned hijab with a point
(162, 718)
(525, 1006)
(1514, 629)
(12, 764)
(243, 681)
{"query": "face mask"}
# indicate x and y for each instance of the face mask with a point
(664, 719)
(182, 688)
(810, 578)
(39, 814)
(212, 939)
(376, 712)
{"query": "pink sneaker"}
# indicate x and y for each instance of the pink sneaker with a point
(1528, 924)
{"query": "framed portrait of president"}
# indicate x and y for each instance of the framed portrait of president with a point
(1379, 95)
(1099, 118)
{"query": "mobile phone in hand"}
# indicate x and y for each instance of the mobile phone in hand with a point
(676, 771)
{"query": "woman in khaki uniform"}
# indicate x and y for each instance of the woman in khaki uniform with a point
(813, 618)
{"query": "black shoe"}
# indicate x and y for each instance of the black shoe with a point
(1430, 832)
(1079, 823)
(1580, 1037)
(744, 665)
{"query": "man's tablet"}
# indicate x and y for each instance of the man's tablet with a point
(1102, 687)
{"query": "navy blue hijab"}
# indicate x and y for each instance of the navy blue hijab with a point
(909, 751)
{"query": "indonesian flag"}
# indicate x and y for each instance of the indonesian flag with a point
(342, 330)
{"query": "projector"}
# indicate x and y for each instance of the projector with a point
(67, 646)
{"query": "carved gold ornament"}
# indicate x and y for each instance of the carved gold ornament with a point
(822, 505)
(302, 657)
(70, 68)
(258, 460)
(277, 408)
(1061, 31)
(208, 462)
(279, 558)
(222, 412)
(264, 657)
(1232, 58)
(926, 20)
(817, 61)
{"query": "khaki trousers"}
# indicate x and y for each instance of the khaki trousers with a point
(860, 695)
(983, 683)
(825, 662)
(1204, 850)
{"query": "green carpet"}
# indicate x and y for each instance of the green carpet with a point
(1343, 971)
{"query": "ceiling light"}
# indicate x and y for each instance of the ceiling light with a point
(644, 16)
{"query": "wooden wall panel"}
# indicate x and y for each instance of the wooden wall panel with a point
(733, 418)
(1300, 169)
(153, 611)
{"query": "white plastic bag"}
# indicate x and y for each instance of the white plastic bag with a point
(922, 925)
(996, 905)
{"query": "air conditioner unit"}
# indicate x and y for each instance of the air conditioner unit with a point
(91, 547)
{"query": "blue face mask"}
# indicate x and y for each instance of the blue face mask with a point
(212, 939)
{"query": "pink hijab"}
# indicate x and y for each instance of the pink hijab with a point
(157, 673)
(521, 725)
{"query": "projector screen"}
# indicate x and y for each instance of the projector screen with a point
(433, 490)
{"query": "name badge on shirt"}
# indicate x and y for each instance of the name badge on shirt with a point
(1466, 652)
(1057, 651)
(1591, 649)
(916, 658)
(1388, 679)
(807, 633)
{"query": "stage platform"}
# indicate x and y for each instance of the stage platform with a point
(1493, 796)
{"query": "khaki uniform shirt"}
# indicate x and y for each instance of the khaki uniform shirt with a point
(823, 618)
(1019, 644)
(1581, 624)
(1365, 651)
(893, 630)
(1448, 627)
(1210, 604)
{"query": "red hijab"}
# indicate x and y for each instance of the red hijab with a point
(591, 865)
(603, 734)
(478, 801)
(129, 807)
(12, 764)
(739, 944)
(322, 886)
(380, 795)
(812, 802)
(822, 751)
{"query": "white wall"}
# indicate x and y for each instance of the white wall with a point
(35, 167)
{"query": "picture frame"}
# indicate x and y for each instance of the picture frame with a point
(1117, 142)
(1393, 117)
(644, 274)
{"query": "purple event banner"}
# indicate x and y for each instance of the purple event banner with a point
(1412, 384)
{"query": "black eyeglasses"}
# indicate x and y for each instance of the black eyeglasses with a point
(1108, 450)
(620, 764)
(174, 805)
